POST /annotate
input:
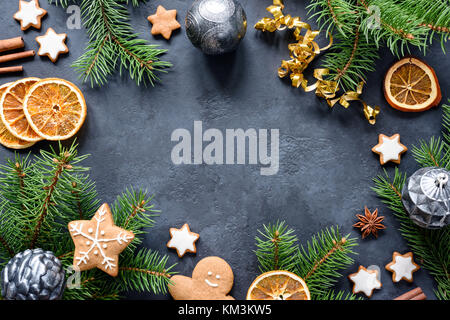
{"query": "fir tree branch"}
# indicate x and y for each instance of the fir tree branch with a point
(144, 271)
(343, 71)
(318, 264)
(62, 164)
(114, 47)
(277, 248)
(6, 246)
(320, 261)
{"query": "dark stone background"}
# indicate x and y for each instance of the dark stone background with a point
(326, 163)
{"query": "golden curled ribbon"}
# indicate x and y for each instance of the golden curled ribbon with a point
(302, 53)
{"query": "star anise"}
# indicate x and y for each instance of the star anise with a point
(370, 223)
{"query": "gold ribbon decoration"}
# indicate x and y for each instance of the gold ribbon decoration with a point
(302, 53)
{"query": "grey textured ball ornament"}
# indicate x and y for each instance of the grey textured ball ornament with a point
(426, 197)
(33, 275)
(216, 26)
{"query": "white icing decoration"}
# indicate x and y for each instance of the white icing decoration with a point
(214, 285)
(102, 233)
(365, 282)
(52, 44)
(77, 230)
(403, 267)
(105, 246)
(182, 240)
(90, 230)
(28, 13)
(88, 242)
(209, 273)
(96, 252)
(390, 148)
(218, 277)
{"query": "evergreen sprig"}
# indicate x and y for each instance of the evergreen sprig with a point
(113, 45)
(361, 27)
(318, 262)
(40, 196)
(432, 247)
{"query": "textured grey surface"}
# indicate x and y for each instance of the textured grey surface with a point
(326, 165)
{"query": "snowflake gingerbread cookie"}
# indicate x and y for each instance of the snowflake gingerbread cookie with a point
(30, 14)
(52, 44)
(183, 240)
(389, 148)
(98, 242)
(402, 267)
(365, 281)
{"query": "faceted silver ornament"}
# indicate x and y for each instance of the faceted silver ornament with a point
(33, 275)
(216, 26)
(426, 197)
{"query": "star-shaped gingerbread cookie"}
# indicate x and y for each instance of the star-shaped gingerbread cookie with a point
(98, 242)
(29, 14)
(402, 267)
(183, 240)
(365, 281)
(389, 148)
(164, 22)
(52, 44)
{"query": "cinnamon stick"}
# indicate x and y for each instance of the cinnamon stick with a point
(16, 56)
(11, 69)
(421, 296)
(410, 294)
(11, 44)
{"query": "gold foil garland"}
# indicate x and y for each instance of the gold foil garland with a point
(302, 53)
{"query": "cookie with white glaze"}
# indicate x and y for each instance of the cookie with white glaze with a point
(389, 149)
(52, 44)
(365, 281)
(30, 14)
(183, 240)
(402, 267)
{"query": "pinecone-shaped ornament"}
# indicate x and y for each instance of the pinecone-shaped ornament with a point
(426, 197)
(33, 275)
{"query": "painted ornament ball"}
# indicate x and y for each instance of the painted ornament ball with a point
(216, 26)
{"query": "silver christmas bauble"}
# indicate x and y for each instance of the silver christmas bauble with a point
(33, 275)
(216, 26)
(426, 197)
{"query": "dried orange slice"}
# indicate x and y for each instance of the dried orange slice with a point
(411, 85)
(6, 138)
(11, 110)
(278, 285)
(55, 109)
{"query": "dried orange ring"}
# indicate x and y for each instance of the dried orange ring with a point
(12, 113)
(55, 109)
(411, 85)
(278, 285)
(6, 138)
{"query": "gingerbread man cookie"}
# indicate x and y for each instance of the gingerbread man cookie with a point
(212, 279)
(29, 14)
